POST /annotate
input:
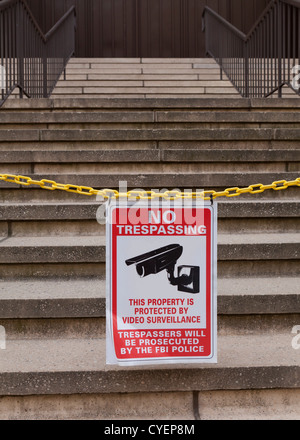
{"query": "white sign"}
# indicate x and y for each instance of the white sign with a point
(161, 283)
(296, 78)
(2, 77)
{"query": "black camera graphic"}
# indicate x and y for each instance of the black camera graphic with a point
(188, 277)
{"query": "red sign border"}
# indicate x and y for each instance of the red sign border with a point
(210, 296)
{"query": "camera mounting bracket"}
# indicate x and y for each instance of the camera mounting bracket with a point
(188, 279)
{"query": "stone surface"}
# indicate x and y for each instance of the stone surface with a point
(52, 272)
(72, 366)
(133, 406)
(250, 405)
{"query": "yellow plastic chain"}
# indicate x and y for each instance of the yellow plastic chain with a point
(51, 185)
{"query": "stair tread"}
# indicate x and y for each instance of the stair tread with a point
(53, 241)
(33, 298)
(85, 209)
(25, 355)
(217, 179)
(78, 365)
(132, 115)
(259, 286)
(223, 239)
(261, 238)
(57, 289)
(51, 289)
(84, 202)
(151, 155)
(205, 103)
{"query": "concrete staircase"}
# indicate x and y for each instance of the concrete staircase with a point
(143, 78)
(52, 291)
(147, 78)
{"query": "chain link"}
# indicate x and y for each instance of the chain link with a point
(51, 185)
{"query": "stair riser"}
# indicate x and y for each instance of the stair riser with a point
(47, 304)
(168, 134)
(57, 328)
(49, 254)
(143, 92)
(117, 168)
(72, 328)
(236, 104)
(141, 125)
(124, 144)
(228, 269)
(14, 194)
(282, 404)
(135, 406)
(158, 156)
(237, 208)
(145, 380)
(65, 227)
(53, 271)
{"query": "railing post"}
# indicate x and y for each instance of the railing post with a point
(220, 50)
(2, 73)
(45, 74)
(20, 49)
(279, 48)
(246, 67)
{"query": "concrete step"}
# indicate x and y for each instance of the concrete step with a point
(59, 299)
(75, 366)
(250, 405)
(83, 298)
(90, 84)
(129, 145)
(254, 255)
(156, 61)
(53, 250)
(210, 105)
(238, 243)
(153, 118)
(122, 74)
(63, 219)
(104, 86)
(76, 308)
(270, 404)
(167, 134)
(155, 160)
(153, 156)
(104, 77)
(82, 209)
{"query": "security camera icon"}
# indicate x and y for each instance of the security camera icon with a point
(153, 262)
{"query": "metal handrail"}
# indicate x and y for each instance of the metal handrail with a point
(260, 63)
(31, 61)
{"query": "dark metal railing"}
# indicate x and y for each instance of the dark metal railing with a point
(267, 58)
(29, 60)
